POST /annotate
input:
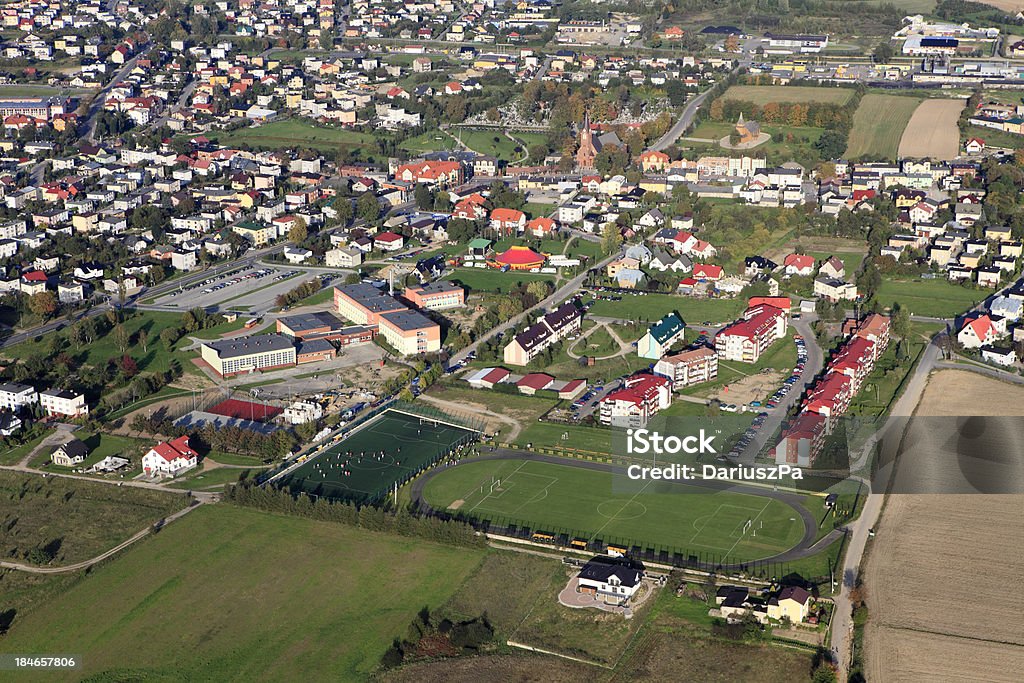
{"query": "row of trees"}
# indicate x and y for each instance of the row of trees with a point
(373, 518)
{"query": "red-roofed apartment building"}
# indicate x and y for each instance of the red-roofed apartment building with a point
(432, 172)
(170, 458)
(831, 396)
(744, 341)
(803, 440)
(641, 397)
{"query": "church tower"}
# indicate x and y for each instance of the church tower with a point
(587, 152)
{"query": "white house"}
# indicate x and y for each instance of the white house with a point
(612, 579)
(63, 402)
(72, 453)
(14, 396)
(170, 458)
(301, 412)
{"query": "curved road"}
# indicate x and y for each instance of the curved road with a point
(804, 548)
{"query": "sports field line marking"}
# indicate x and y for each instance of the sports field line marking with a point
(624, 506)
(536, 497)
(505, 477)
(751, 525)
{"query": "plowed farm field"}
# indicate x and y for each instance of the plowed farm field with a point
(938, 569)
(932, 131)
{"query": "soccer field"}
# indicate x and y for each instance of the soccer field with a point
(582, 504)
(388, 450)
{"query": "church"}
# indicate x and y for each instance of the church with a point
(590, 146)
(748, 131)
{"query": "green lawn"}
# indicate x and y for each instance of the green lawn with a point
(788, 143)
(295, 133)
(73, 519)
(14, 454)
(653, 306)
(491, 142)
(100, 446)
(236, 594)
(938, 298)
(491, 280)
(550, 435)
(763, 94)
(598, 506)
(431, 141)
(878, 126)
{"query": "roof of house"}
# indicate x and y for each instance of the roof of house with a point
(666, 328)
(74, 449)
(172, 450)
(601, 569)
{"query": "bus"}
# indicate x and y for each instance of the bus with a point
(543, 537)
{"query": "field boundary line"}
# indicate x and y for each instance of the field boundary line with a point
(532, 648)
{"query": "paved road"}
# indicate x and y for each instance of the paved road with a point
(566, 291)
(812, 366)
(689, 112)
(101, 96)
(889, 436)
(805, 548)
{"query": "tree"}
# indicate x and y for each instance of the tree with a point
(367, 207)
(43, 304)
(900, 321)
(883, 53)
(122, 338)
(344, 208)
(143, 340)
(168, 336)
(298, 232)
(611, 238)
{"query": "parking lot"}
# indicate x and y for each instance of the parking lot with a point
(253, 289)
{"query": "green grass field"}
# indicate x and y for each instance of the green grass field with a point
(878, 126)
(763, 94)
(595, 506)
(367, 464)
(653, 306)
(294, 133)
(237, 594)
(100, 446)
(71, 519)
(431, 141)
(936, 298)
(491, 280)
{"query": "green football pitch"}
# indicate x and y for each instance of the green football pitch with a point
(390, 449)
(585, 504)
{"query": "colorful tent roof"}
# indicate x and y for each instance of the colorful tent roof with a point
(520, 256)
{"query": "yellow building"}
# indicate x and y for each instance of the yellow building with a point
(410, 332)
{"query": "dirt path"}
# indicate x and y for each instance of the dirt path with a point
(624, 348)
(62, 435)
(514, 425)
(77, 566)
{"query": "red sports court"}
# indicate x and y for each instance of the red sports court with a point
(245, 410)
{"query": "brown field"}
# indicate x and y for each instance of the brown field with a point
(932, 131)
(970, 389)
(1011, 6)
(494, 668)
(937, 572)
